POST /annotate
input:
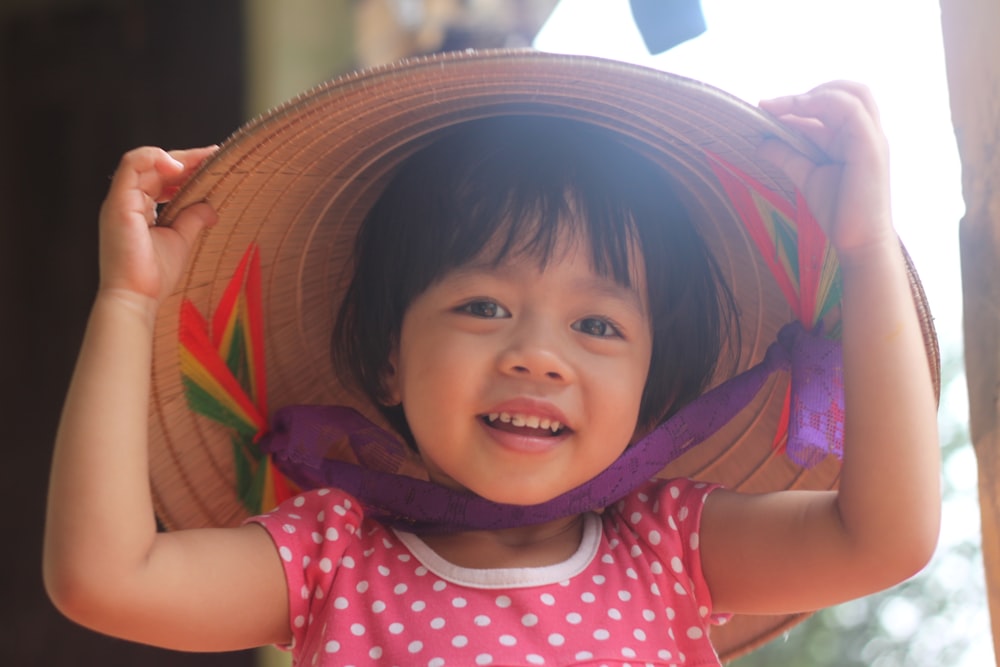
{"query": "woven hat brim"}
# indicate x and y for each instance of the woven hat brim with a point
(298, 181)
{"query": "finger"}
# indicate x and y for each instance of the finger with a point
(835, 105)
(792, 163)
(192, 220)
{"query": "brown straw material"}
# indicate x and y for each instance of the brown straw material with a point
(298, 181)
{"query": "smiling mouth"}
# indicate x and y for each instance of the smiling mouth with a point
(524, 424)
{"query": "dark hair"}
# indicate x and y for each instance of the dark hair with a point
(508, 183)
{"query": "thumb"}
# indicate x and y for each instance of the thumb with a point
(190, 221)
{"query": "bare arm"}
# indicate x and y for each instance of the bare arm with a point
(104, 564)
(796, 551)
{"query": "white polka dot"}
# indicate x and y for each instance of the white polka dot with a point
(635, 551)
(482, 620)
(671, 523)
(574, 618)
(340, 603)
(628, 653)
(676, 565)
(357, 629)
(420, 571)
(332, 646)
(664, 654)
(683, 514)
(305, 562)
(588, 597)
(437, 623)
(458, 641)
(458, 603)
(319, 593)
(361, 587)
(396, 628)
(643, 497)
(383, 570)
(317, 538)
(326, 565)
(615, 614)
(347, 503)
(368, 552)
(631, 573)
(375, 652)
(305, 592)
(439, 585)
(601, 634)
(288, 528)
(399, 589)
(656, 567)
(403, 558)
(649, 615)
(529, 620)
(635, 517)
(695, 633)
(547, 599)
(670, 613)
(286, 554)
(556, 639)
(347, 562)
(654, 537)
(386, 543)
(300, 621)
(608, 558)
(415, 646)
(339, 510)
(508, 640)
(299, 501)
(624, 596)
(534, 659)
(654, 589)
(694, 541)
(321, 517)
(639, 634)
(599, 579)
(436, 662)
(419, 605)
(584, 655)
(680, 590)
(378, 606)
(484, 659)
(332, 534)
(503, 601)
(703, 611)
(323, 492)
(675, 493)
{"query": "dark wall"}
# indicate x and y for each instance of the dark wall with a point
(81, 83)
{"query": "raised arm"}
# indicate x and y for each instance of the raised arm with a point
(796, 551)
(105, 566)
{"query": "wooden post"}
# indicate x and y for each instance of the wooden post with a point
(972, 55)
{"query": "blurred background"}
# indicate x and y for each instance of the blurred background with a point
(82, 81)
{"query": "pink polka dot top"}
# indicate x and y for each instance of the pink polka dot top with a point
(632, 594)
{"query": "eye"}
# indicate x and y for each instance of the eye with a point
(484, 308)
(596, 326)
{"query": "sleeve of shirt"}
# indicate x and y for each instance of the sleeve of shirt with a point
(667, 515)
(311, 532)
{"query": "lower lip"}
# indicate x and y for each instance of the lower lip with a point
(524, 444)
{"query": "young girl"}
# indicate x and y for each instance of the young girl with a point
(529, 300)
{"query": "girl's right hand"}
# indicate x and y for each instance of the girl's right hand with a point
(138, 258)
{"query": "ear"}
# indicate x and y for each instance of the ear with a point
(389, 379)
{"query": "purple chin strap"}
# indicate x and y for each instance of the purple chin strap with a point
(301, 436)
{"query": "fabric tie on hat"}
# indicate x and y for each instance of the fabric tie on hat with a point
(301, 436)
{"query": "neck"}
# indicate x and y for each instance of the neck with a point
(526, 546)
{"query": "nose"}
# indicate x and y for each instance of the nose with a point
(536, 349)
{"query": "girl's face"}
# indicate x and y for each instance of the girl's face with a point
(520, 382)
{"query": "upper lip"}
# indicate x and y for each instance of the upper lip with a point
(530, 407)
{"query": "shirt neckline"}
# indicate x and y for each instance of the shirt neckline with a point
(513, 577)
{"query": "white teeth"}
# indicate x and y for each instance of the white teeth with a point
(530, 421)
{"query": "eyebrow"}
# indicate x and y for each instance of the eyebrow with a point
(597, 284)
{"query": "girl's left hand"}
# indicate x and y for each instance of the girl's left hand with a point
(849, 196)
